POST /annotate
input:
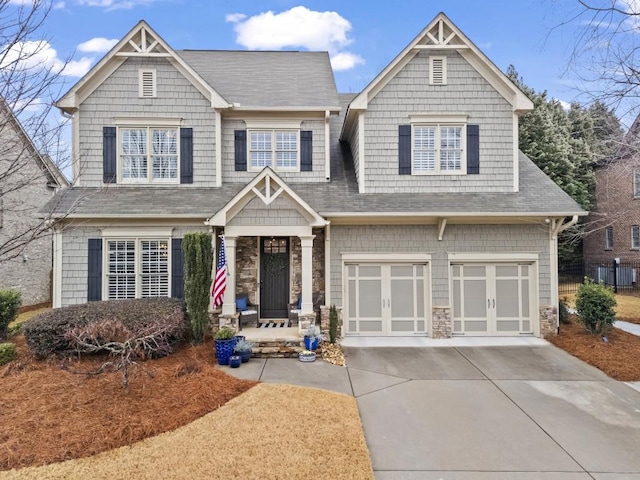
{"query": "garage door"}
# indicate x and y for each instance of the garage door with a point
(386, 299)
(492, 299)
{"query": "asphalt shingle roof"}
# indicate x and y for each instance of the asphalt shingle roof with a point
(256, 79)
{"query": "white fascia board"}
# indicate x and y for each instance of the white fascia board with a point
(385, 257)
(123, 232)
(89, 216)
(451, 214)
(296, 108)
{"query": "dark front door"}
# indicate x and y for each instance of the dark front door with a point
(274, 277)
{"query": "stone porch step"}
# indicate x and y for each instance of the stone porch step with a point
(274, 342)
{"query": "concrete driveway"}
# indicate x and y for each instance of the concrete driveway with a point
(486, 413)
(493, 413)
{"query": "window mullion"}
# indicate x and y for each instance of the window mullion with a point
(149, 161)
(274, 151)
(137, 267)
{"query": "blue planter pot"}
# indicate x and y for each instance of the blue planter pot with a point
(245, 356)
(224, 349)
(310, 344)
(235, 361)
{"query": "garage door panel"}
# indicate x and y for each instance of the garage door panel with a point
(386, 299)
(507, 298)
(475, 298)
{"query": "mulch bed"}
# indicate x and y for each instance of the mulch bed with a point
(619, 357)
(50, 414)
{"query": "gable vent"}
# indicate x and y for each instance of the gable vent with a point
(147, 83)
(437, 70)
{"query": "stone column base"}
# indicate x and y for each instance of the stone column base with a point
(305, 321)
(229, 321)
(548, 320)
(441, 323)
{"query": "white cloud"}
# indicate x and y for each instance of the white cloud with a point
(345, 61)
(97, 45)
(59, 5)
(113, 4)
(38, 54)
(234, 17)
(298, 27)
(566, 106)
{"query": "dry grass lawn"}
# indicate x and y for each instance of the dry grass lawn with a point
(627, 308)
(271, 431)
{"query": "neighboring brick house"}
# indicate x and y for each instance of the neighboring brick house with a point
(27, 181)
(408, 205)
(613, 227)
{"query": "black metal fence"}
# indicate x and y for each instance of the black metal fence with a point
(622, 276)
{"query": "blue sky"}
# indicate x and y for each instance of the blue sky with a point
(362, 36)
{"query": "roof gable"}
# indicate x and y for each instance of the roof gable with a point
(441, 34)
(267, 186)
(50, 169)
(141, 41)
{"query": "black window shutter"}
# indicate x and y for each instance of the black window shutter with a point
(241, 150)
(94, 270)
(177, 275)
(473, 149)
(186, 155)
(306, 151)
(404, 149)
(109, 149)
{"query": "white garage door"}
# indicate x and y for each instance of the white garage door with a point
(386, 299)
(492, 299)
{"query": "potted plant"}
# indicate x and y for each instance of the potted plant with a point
(235, 361)
(225, 342)
(312, 337)
(307, 356)
(243, 349)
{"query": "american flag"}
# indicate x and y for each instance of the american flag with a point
(220, 282)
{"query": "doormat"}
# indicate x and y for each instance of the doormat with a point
(274, 325)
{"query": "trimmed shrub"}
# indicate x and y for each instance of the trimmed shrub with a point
(594, 303)
(10, 302)
(48, 333)
(198, 260)
(8, 353)
(333, 324)
(563, 311)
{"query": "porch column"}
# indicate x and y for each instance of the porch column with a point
(307, 274)
(229, 305)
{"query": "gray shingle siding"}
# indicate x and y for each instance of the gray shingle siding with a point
(118, 97)
(278, 212)
(466, 92)
(424, 239)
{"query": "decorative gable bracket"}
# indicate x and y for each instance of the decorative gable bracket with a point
(143, 44)
(441, 36)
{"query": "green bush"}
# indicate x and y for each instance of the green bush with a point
(333, 324)
(10, 302)
(198, 259)
(594, 303)
(48, 333)
(8, 353)
(563, 311)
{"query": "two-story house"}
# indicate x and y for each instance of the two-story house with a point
(407, 205)
(27, 181)
(613, 227)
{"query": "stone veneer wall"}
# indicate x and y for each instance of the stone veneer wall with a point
(296, 265)
(441, 322)
(247, 258)
(548, 320)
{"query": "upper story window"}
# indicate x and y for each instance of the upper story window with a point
(148, 154)
(636, 184)
(277, 149)
(439, 149)
(608, 238)
(147, 83)
(635, 236)
(437, 70)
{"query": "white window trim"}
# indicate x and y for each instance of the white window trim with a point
(432, 59)
(120, 236)
(636, 191)
(445, 121)
(637, 246)
(273, 165)
(139, 124)
(141, 73)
